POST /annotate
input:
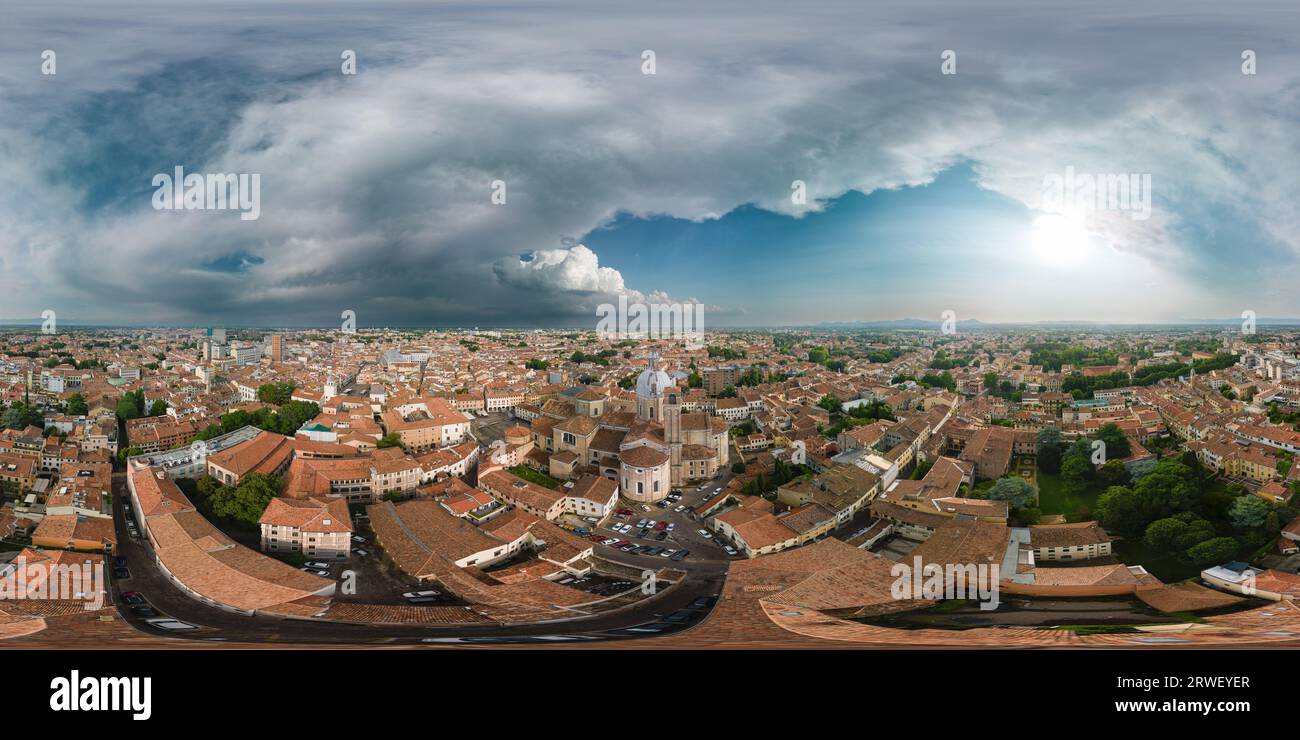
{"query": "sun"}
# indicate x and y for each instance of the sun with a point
(1059, 239)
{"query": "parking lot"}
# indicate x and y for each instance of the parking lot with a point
(490, 428)
(665, 529)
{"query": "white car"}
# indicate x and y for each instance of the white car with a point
(706, 534)
(419, 594)
(671, 526)
(667, 553)
(167, 623)
(317, 564)
(730, 550)
(680, 508)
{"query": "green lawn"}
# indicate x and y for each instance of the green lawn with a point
(1053, 499)
(528, 474)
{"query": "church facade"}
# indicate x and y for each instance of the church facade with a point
(659, 448)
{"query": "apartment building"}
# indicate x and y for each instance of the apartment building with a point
(428, 422)
(316, 527)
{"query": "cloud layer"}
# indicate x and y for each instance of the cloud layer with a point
(376, 187)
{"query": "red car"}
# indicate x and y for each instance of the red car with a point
(661, 526)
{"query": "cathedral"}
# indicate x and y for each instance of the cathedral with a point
(649, 453)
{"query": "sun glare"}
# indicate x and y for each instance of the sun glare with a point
(1059, 239)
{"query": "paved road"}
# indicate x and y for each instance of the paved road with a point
(705, 578)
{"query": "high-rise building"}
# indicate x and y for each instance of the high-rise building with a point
(277, 348)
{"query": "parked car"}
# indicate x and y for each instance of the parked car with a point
(679, 508)
(706, 534)
(704, 602)
(317, 564)
(133, 597)
(667, 553)
(731, 550)
(661, 526)
(121, 574)
(143, 610)
(641, 524)
(119, 561)
(661, 536)
(361, 553)
(421, 600)
(315, 571)
(420, 594)
(167, 623)
(358, 539)
(680, 555)
(681, 616)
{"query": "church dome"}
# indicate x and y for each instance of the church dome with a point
(651, 383)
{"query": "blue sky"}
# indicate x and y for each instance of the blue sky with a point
(927, 192)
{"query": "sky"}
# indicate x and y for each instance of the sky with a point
(932, 140)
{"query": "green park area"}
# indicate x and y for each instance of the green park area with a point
(533, 476)
(1055, 498)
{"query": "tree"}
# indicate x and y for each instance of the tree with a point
(1014, 490)
(392, 439)
(1027, 516)
(131, 405)
(1163, 534)
(1213, 551)
(1117, 509)
(1117, 445)
(76, 405)
(738, 467)
(1171, 488)
(830, 402)
(1248, 512)
(245, 502)
(990, 381)
(275, 394)
(13, 417)
(1049, 458)
(1076, 473)
(1113, 473)
(129, 452)
(158, 408)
